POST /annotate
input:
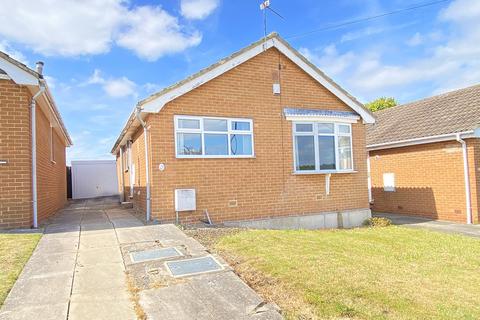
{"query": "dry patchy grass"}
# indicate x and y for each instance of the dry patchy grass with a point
(380, 273)
(15, 250)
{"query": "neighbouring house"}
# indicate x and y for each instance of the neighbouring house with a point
(33, 139)
(262, 134)
(425, 157)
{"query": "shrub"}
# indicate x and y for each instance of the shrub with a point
(378, 222)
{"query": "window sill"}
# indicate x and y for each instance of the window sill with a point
(323, 172)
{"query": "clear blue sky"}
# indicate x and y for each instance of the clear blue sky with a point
(101, 57)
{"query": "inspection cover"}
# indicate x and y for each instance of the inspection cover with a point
(155, 254)
(188, 267)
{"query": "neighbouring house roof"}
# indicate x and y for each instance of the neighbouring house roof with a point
(437, 118)
(21, 74)
(156, 101)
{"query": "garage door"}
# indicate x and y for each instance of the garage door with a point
(94, 178)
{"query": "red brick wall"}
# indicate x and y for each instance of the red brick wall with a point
(15, 177)
(51, 175)
(263, 186)
(429, 180)
(15, 147)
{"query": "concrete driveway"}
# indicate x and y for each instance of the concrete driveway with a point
(96, 260)
(435, 225)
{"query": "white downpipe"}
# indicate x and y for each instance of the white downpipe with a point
(369, 179)
(33, 125)
(130, 167)
(147, 175)
(122, 174)
(467, 179)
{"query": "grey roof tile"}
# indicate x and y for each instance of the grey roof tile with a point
(451, 112)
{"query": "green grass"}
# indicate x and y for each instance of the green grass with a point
(15, 249)
(367, 273)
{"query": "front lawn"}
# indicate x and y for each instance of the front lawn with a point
(380, 273)
(15, 249)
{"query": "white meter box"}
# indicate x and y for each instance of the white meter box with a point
(185, 200)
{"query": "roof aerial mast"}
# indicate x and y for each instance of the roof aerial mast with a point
(264, 6)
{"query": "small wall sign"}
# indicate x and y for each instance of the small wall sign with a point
(3, 162)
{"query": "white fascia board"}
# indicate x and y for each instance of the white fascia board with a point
(323, 119)
(324, 82)
(423, 140)
(17, 74)
(156, 104)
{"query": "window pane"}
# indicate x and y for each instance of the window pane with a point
(303, 127)
(325, 127)
(343, 128)
(189, 123)
(215, 125)
(305, 152)
(240, 125)
(326, 144)
(344, 153)
(216, 144)
(241, 144)
(189, 143)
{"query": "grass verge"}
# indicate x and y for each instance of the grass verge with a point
(379, 273)
(15, 250)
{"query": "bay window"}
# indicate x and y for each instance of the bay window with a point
(322, 147)
(210, 137)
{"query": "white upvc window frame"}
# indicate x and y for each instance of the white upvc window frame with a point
(336, 134)
(229, 132)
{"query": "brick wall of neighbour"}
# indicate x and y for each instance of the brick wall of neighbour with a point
(263, 186)
(51, 175)
(15, 147)
(429, 180)
(15, 176)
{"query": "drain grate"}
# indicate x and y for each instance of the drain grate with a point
(155, 254)
(188, 267)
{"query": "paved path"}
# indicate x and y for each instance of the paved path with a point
(82, 269)
(435, 225)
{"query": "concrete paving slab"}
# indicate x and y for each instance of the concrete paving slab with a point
(110, 277)
(136, 234)
(213, 296)
(53, 311)
(99, 256)
(40, 291)
(99, 240)
(103, 309)
(46, 264)
(49, 245)
(97, 226)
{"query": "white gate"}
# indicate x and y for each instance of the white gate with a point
(94, 178)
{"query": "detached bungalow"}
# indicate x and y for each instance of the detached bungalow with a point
(33, 139)
(425, 157)
(262, 134)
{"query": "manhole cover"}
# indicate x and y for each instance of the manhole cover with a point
(188, 267)
(155, 254)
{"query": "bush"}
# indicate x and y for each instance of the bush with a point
(378, 222)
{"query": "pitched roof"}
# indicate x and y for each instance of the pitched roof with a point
(452, 112)
(156, 101)
(33, 79)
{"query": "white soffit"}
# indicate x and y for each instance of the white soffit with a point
(157, 103)
(17, 74)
